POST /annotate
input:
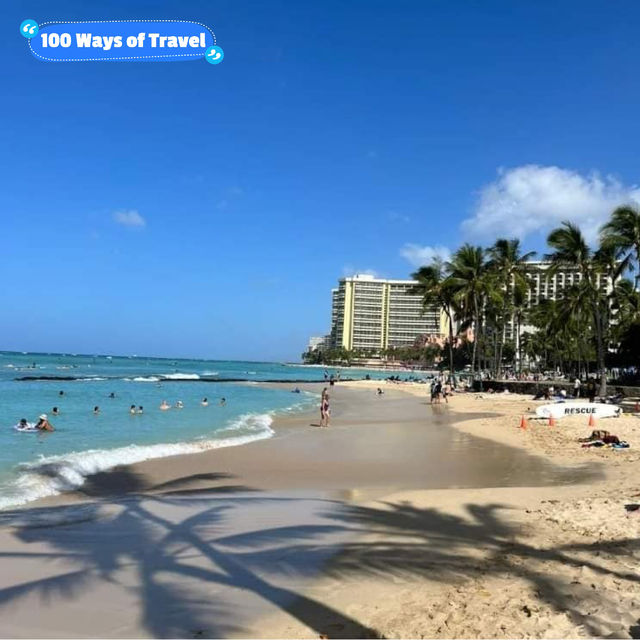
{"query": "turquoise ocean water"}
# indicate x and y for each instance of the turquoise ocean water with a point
(34, 465)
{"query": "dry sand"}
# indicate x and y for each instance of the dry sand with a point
(401, 519)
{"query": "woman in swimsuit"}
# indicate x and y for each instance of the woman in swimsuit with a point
(325, 411)
(43, 423)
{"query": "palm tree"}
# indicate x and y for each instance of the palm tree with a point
(623, 233)
(435, 288)
(572, 250)
(510, 266)
(468, 280)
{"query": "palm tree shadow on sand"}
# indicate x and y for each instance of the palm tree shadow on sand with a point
(186, 564)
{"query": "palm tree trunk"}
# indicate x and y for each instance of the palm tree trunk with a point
(600, 351)
(476, 336)
(453, 375)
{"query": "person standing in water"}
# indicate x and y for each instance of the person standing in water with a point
(132, 409)
(96, 410)
(223, 401)
(205, 402)
(43, 423)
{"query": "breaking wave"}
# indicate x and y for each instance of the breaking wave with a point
(51, 475)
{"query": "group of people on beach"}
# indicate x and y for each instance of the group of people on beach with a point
(440, 390)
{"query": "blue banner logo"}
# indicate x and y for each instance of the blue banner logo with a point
(121, 40)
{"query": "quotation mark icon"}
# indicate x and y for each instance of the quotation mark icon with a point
(214, 55)
(29, 28)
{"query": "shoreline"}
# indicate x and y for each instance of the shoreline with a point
(343, 532)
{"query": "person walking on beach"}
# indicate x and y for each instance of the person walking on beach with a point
(438, 391)
(591, 389)
(576, 387)
(325, 410)
(446, 391)
(324, 393)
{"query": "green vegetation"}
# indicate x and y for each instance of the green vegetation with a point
(593, 323)
(418, 356)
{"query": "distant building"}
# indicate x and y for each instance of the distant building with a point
(546, 286)
(373, 314)
(319, 343)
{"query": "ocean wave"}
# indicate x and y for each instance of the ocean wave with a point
(210, 373)
(52, 475)
(180, 376)
(144, 379)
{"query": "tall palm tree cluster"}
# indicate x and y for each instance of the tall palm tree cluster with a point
(591, 323)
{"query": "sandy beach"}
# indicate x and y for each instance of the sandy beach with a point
(401, 519)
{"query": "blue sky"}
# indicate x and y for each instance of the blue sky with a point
(185, 209)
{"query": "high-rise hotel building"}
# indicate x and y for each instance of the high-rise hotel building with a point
(373, 314)
(546, 285)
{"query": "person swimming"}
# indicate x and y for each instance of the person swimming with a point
(132, 409)
(140, 410)
(165, 406)
(179, 404)
(55, 411)
(223, 401)
(96, 410)
(43, 423)
(205, 402)
(61, 393)
(112, 395)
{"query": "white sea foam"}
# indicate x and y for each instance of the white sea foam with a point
(143, 379)
(181, 376)
(210, 373)
(51, 475)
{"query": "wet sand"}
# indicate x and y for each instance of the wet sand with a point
(315, 531)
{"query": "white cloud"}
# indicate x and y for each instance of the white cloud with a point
(419, 256)
(129, 218)
(348, 271)
(531, 198)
